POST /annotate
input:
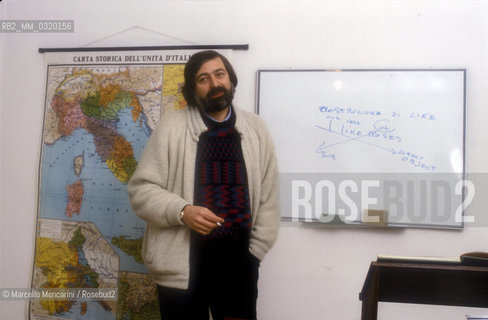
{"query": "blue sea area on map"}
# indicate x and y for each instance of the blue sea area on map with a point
(105, 200)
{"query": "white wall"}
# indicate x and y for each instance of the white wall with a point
(312, 272)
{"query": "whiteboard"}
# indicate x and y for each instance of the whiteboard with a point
(379, 123)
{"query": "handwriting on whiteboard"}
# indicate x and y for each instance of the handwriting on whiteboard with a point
(350, 125)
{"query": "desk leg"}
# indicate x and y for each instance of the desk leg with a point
(369, 310)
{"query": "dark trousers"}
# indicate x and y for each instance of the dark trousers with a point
(223, 279)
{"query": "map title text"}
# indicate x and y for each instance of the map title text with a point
(172, 58)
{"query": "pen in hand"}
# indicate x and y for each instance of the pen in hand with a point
(201, 219)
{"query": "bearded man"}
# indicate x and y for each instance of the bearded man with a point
(206, 185)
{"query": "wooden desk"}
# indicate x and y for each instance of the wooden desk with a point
(422, 283)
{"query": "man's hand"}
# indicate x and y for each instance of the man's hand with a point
(201, 219)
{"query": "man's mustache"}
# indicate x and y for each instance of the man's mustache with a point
(216, 91)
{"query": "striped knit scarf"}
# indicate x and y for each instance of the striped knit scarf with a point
(220, 178)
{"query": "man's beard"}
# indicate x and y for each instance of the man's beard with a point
(212, 105)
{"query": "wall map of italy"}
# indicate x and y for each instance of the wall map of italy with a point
(97, 120)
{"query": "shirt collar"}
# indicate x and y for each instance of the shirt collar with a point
(226, 118)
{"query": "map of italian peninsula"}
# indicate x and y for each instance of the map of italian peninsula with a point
(97, 121)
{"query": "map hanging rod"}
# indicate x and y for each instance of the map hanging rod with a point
(142, 48)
